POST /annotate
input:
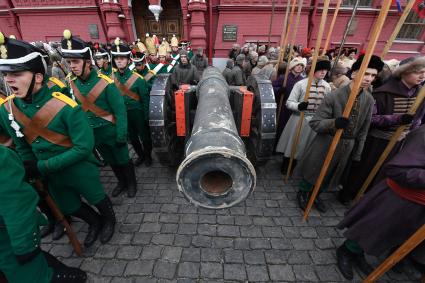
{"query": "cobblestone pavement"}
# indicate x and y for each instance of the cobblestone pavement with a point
(160, 237)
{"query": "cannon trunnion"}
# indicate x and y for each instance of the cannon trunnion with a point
(214, 133)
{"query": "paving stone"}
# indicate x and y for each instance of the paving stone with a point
(151, 252)
(150, 228)
(257, 273)
(114, 267)
(207, 229)
(228, 231)
(207, 219)
(234, 272)
(169, 218)
(172, 254)
(323, 257)
(191, 254)
(242, 244)
(303, 244)
(254, 257)
(93, 265)
(222, 242)
(328, 273)
(257, 243)
(142, 238)
(187, 229)
(276, 256)
(211, 255)
(129, 252)
(164, 269)
(190, 219)
(225, 219)
(233, 256)
(305, 273)
(251, 232)
(308, 232)
(169, 228)
(324, 244)
(281, 273)
(106, 251)
(189, 269)
(299, 257)
(139, 268)
(202, 241)
(62, 250)
(182, 240)
(281, 244)
(163, 239)
(263, 221)
(211, 270)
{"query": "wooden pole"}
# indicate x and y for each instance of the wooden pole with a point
(309, 82)
(354, 92)
(271, 23)
(397, 28)
(328, 38)
(294, 37)
(418, 102)
(282, 36)
(344, 37)
(415, 240)
(291, 51)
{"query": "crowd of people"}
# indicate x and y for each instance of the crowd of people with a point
(60, 102)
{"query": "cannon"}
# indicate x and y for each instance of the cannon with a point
(214, 133)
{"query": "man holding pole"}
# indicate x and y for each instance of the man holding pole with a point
(393, 210)
(327, 120)
(392, 102)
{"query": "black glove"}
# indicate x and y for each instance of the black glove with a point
(31, 169)
(193, 82)
(406, 119)
(302, 106)
(175, 87)
(120, 144)
(341, 122)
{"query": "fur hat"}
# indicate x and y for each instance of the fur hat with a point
(240, 58)
(322, 64)
(174, 41)
(392, 64)
(374, 63)
(150, 44)
(409, 66)
(262, 61)
(339, 69)
(183, 53)
(297, 61)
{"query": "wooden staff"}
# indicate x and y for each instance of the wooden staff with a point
(411, 243)
(59, 217)
(397, 28)
(291, 51)
(309, 82)
(331, 28)
(418, 102)
(294, 36)
(354, 92)
(282, 36)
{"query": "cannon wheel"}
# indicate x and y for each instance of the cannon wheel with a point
(166, 145)
(261, 141)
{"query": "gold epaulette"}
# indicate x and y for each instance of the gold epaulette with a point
(3, 101)
(106, 78)
(64, 98)
(114, 70)
(70, 77)
(57, 82)
(139, 75)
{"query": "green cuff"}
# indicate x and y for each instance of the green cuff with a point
(353, 246)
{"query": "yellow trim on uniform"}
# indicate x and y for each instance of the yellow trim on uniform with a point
(136, 73)
(3, 101)
(62, 97)
(106, 78)
(57, 82)
(152, 72)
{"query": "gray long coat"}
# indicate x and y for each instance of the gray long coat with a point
(351, 143)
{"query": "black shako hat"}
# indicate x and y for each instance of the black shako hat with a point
(119, 48)
(100, 52)
(74, 47)
(374, 63)
(17, 56)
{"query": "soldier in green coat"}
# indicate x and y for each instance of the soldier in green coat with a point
(104, 107)
(52, 136)
(21, 259)
(103, 61)
(135, 91)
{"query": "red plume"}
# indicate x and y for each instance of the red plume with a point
(134, 51)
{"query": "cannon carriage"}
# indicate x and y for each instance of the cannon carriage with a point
(214, 133)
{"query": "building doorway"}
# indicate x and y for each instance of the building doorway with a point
(170, 19)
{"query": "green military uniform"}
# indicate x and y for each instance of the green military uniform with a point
(19, 221)
(108, 72)
(160, 68)
(110, 133)
(67, 164)
(137, 111)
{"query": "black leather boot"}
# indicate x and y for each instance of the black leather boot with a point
(147, 153)
(345, 262)
(122, 184)
(59, 230)
(90, 216)
(302, 198)
(47, 229)
(137, 146)
(107, 215)
(362, 264)
(130, 176)
(320, 205)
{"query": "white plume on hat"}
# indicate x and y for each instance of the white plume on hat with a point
(297, 61)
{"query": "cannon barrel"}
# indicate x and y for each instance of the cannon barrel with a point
(215, 172)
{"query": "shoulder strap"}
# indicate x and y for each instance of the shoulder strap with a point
(54, 81)
(37, 126)
(62, 97)
(105, 77)
(125, 88)
(87, 103)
